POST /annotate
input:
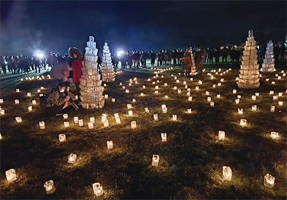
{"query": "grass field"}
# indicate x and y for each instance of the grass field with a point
(191, 160)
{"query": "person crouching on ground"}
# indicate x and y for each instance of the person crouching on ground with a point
(57, 100)
(187, 62)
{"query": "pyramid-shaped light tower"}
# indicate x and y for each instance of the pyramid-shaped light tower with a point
(193, 67)
(249, 72)
(90, 82)
(108, 73)
(269, 60)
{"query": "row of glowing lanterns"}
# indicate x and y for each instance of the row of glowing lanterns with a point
(37, 78)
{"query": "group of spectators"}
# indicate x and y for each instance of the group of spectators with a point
(21, 64)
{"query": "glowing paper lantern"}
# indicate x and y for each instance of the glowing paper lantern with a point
(272, 108)
(196, 88)
(133, 124)
(179, 91)
(254, 108)
(62, 137)
(221, 135)
(165, 84)
(221, 80)
(81, 122)
(218, 96)
(129, 106)
(219, 84)
(274, 135)
(2, 112)
(208, 99)
(280, 94)
(273, 82)
(199, 82)
(18, 119)
(50, 187)
(30, 108)
(238, 96)
(16, 101)
(275, 98)
(253, 97)
(29, 94)
(189, 98)
(106, 123)
(207, 93)
(257, 94)
(280, 103)
(113, 100)
(156, 87)
(124, 87)
(118, 121)
(72, 158)
(90, 125)
(166, 96)
(0, 136)
(189, 110)
(271, 92)
(237, 101)
(156, 92)
(98, 189)
(127, 91)
(34, 102)
(234, 91)
(39, 91)
(188, 93)
(155, 160)
(269, 181)
(243, 122)
(163, 137)
(146, 110)
(130, 113)
(66, 124)
(76, 120)
(42, 125)
(65, 116)
(142, 94)
(175, 88)
(227, 173)
(134, 100)
(110, 145)
(155, 117)
(214, 85)
(212, 104)
(11, 175)
(106, 96)
(17, 90)
(92, 119)
(174, 117)
(267, 79)
(143, 86)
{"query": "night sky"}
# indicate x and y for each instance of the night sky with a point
(136, 25)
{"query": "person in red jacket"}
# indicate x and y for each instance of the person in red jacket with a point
(76, 66)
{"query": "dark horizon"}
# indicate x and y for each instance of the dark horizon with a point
(136, 25)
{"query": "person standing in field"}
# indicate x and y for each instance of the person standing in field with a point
(187, 62)
(199, 60)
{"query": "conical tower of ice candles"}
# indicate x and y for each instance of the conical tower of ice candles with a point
(268, 62)
(193, 68)
(108, 73)
(249, 72)
(90, 82)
